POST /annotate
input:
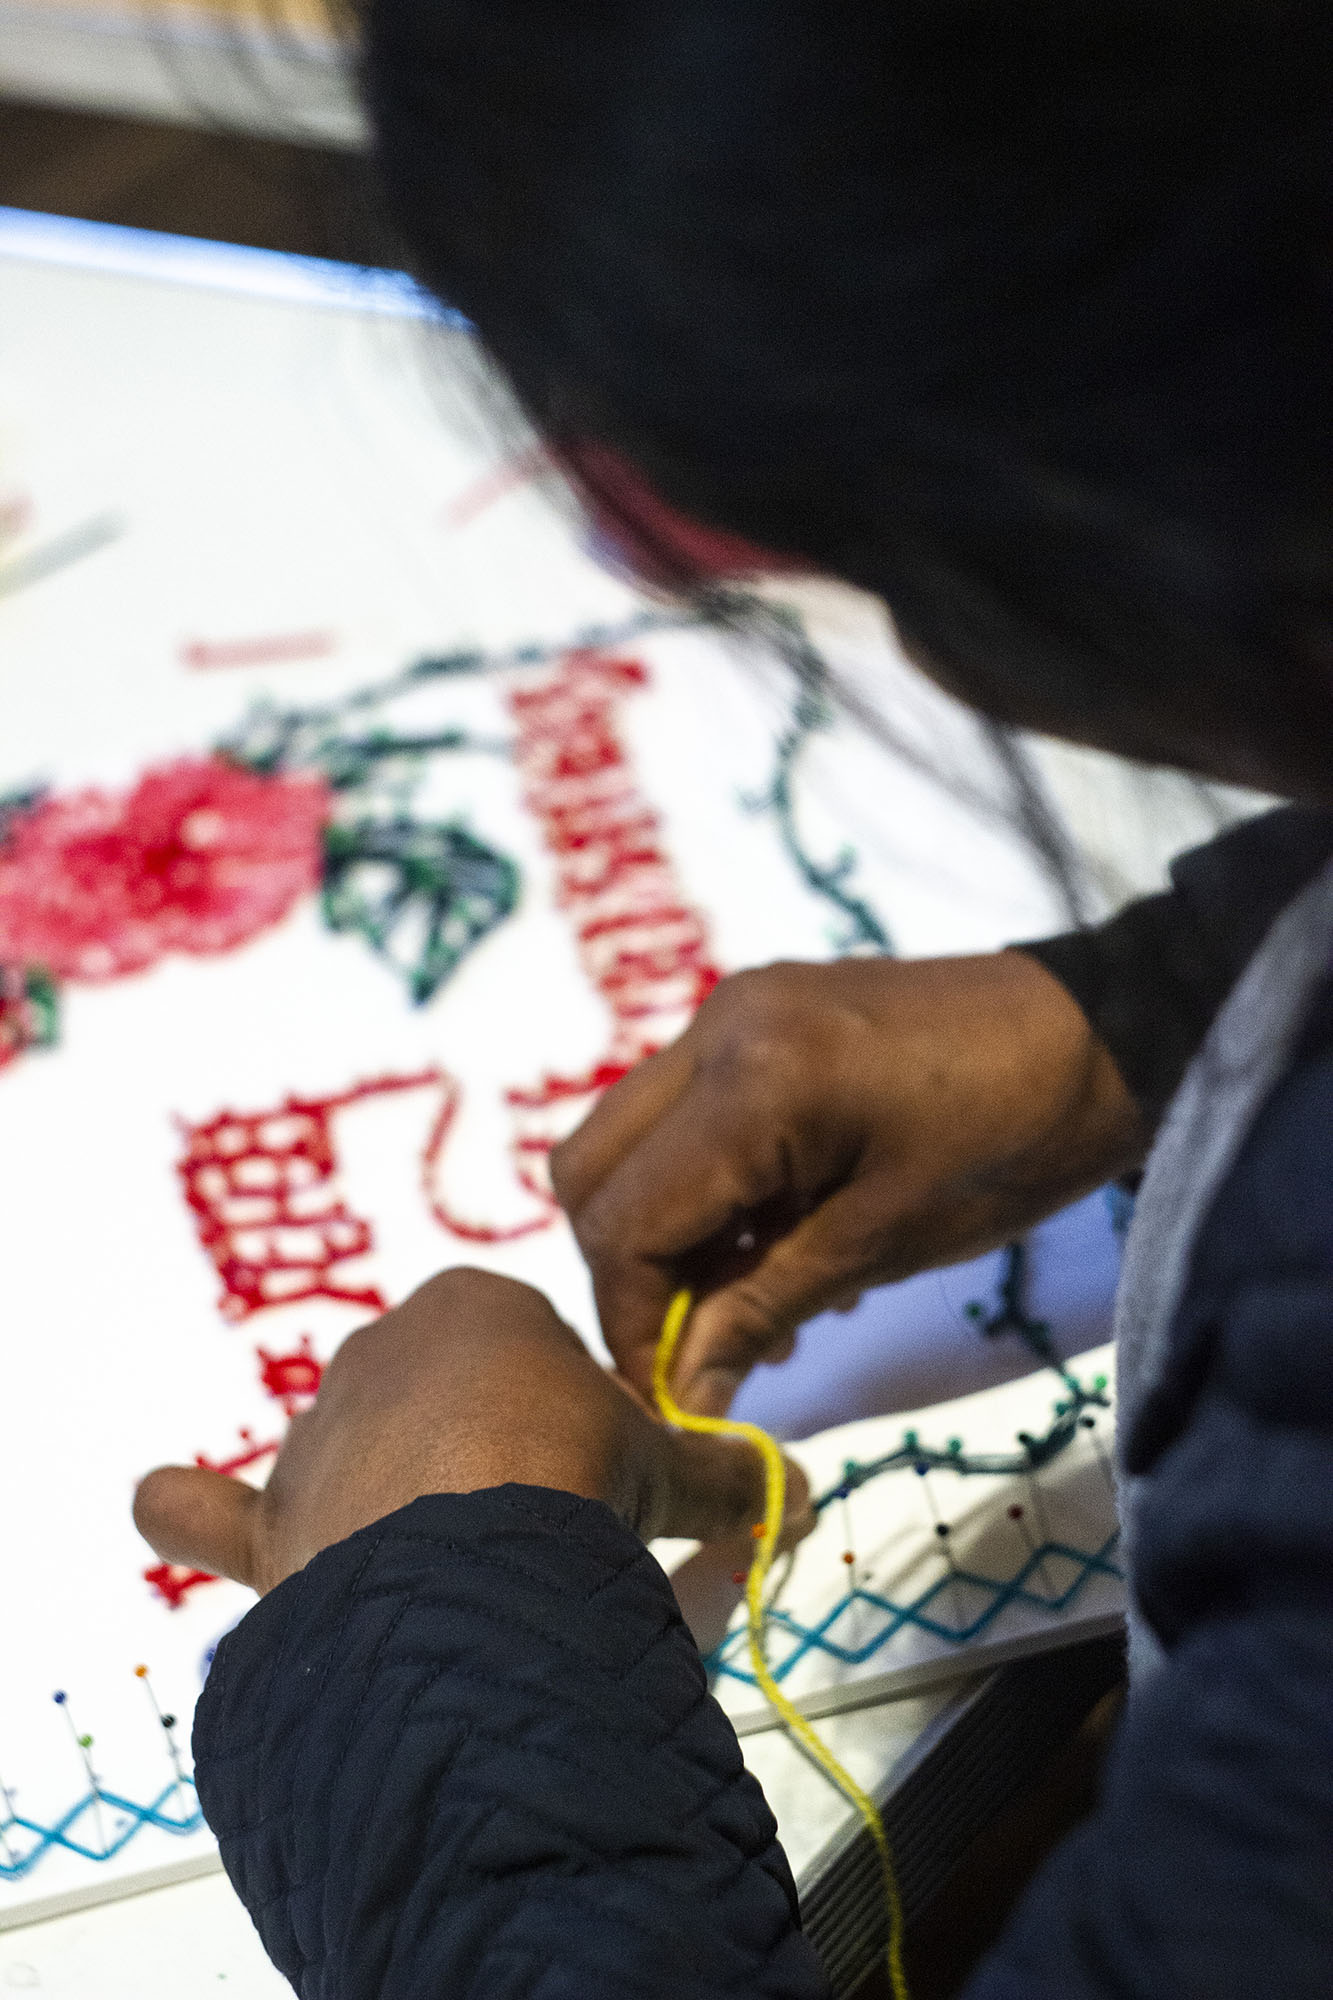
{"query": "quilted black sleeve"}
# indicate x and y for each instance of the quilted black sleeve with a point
(470, 1754)
(1151, 978)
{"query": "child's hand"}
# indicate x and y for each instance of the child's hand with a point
(474, 1381)
(821, 1128)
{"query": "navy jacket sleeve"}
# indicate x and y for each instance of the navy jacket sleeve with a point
(1151, 979)
(1207, 1872)
(470, 1754)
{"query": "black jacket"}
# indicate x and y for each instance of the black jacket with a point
(469, 1754)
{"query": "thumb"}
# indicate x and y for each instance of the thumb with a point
(713, 1491)
(202, 1518)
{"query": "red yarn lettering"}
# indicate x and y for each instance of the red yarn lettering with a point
(642, 946)
(262, 1187)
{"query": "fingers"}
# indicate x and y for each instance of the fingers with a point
(711, 1489)
(601, 1177)
(200, 1518)
(620, 1118)
(824, 1261)
(799, 1516)
(708, 1583)
(702, 1168)
(675, 1210)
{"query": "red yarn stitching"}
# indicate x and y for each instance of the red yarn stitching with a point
(16, 512)
(643, 946)
(272, 650)
(198, 857)
(291, 1379)
(491, 486)
(262, 1187)
(252, 1452)
(173, 1582)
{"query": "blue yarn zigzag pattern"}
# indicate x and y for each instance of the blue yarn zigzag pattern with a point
(1070, 1415)
(16, 1860)
(726, 1659)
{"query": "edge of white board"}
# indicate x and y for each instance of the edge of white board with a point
(63, 1901)
(978, 1656)
(31, 236)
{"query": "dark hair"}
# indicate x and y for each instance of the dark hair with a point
(1015, 312)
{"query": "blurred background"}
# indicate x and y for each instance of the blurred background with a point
(221, 119)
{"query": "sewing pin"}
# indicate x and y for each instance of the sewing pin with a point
(922, 1471)
(168, 1723)
(1019, 1519)
(848, 1538)
(1089, 1424)
(940, 1525)
(83, 1745)
(942, 1532)
(1027, 1441)
(1039, 1507)
(7, 1809)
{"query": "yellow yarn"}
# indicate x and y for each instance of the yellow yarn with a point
(766, 1539)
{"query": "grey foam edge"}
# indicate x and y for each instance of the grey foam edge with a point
(966, 1767)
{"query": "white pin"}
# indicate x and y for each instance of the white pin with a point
(7, 1819)
(1089, 1423)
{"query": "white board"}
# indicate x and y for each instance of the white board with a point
(286, 498)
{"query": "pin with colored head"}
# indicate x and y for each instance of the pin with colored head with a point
(167, 1722)
(848, 1533)
(1088, 1422)
(83, 1743)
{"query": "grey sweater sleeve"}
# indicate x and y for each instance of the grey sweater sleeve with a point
(1207, 1871)
(1151, 978)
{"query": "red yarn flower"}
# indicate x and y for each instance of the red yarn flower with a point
(198, 857)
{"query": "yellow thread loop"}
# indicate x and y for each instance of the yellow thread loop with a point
(766, 1541)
